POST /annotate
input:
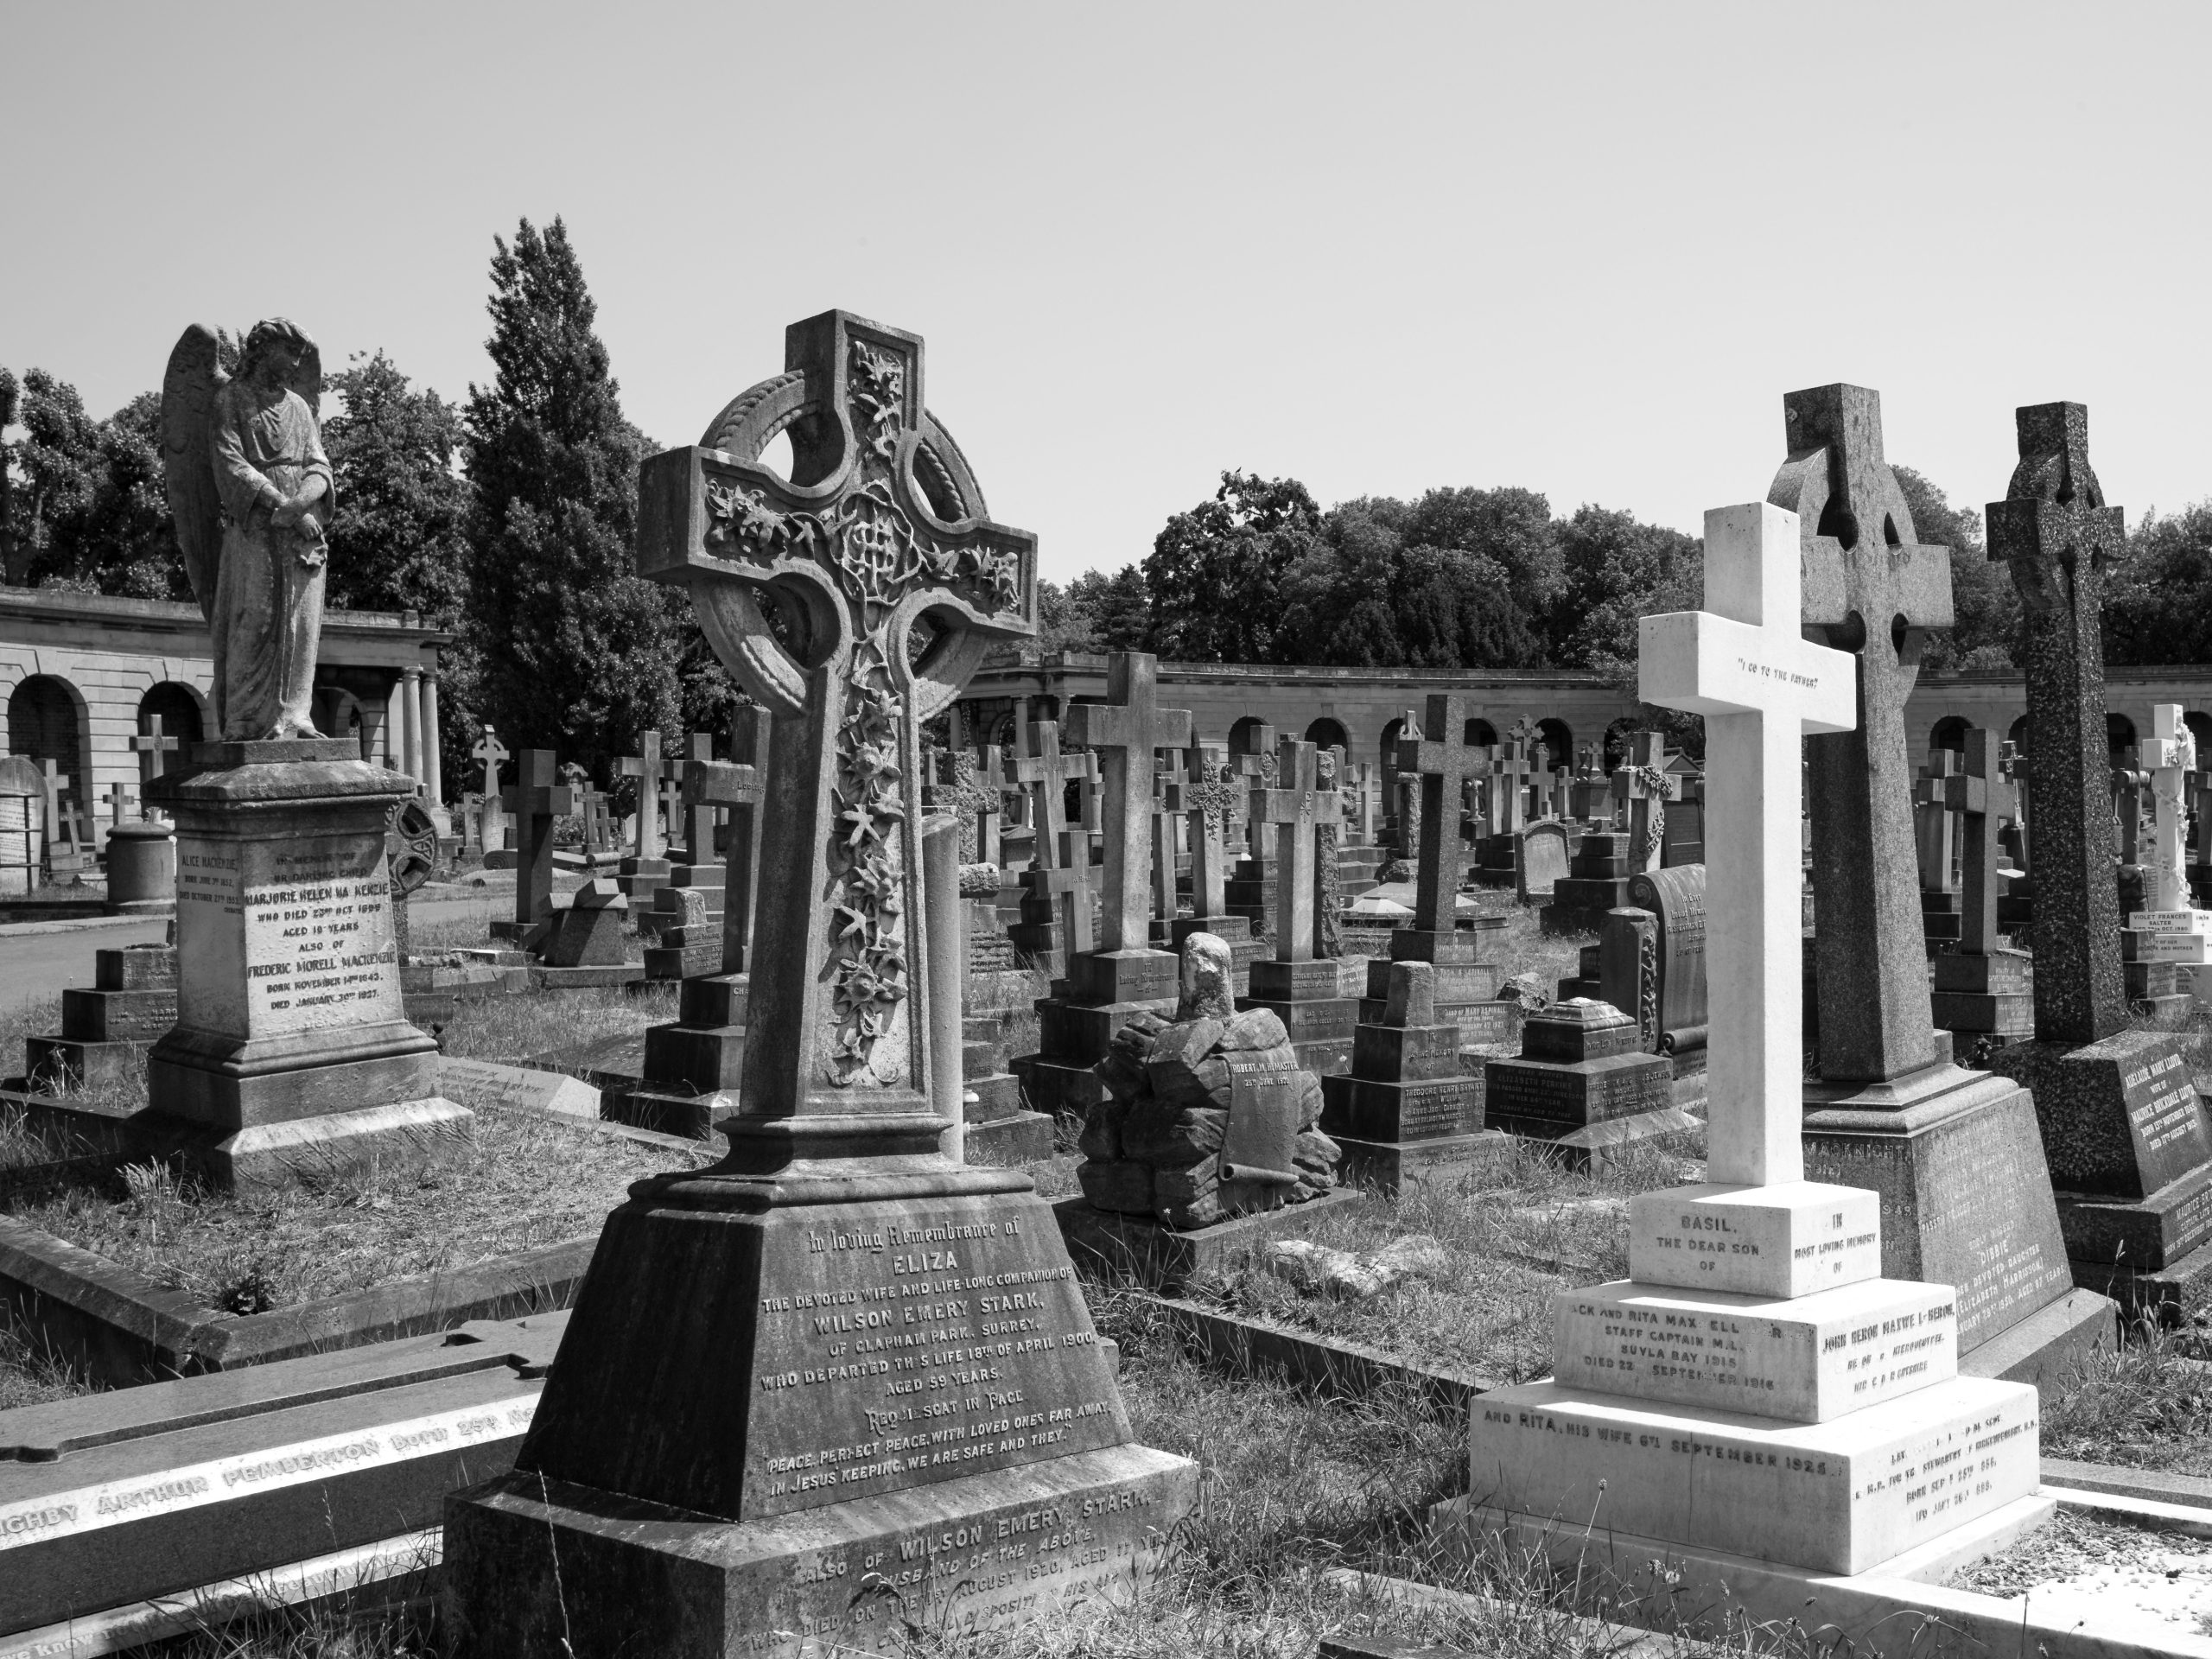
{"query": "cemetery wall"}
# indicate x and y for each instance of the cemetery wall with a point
(1368, 705)
(76, 670)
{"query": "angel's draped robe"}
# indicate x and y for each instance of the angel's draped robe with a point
(268, 616)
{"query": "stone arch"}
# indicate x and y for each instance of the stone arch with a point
(1329, 734)
(1480, 733)
(48, 720)
(1558, 739)
(183, 714)
(1948, 733)
(1393, 729)
(2119, 734)
(2019, 734)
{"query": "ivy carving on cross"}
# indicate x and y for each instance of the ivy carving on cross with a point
(854, 600)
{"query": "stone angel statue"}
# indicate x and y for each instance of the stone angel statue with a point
(250, 490)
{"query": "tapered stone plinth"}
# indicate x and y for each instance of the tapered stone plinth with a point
(290, 1057)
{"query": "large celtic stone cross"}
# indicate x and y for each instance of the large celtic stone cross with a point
(853, 600)
(2056, 536)
(1870, 589)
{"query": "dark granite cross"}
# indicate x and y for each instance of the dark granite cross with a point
(740, 785)
(698, 814)
(887, 581)
(534, 800)
(1936, 830)
(1444, 761)
(1981, 797)
(1870, 589)
(1060, 865)
(1257, 768)
(1164, 809)
(1123, 732)
(1295, 807)
(2056, 536)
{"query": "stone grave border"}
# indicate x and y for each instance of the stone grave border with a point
(119, 1327)
(1704, 1589)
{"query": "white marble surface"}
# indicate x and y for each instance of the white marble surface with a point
(1762, 687)
(1840, 1496)
(1805, 1359)
(1790, 1240)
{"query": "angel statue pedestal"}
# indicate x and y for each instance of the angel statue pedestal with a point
(291, 1058)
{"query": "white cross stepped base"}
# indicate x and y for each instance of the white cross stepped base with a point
(1755, 1388)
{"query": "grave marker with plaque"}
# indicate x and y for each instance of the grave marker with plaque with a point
(836, 1357)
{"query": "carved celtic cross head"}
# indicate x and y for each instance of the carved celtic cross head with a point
(2053, 528)
(1867, 583)
(881, 528)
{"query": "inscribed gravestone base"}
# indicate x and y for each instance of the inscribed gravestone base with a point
(2124, 1132)
(1954, 1154)
(750, 1427)
(1406, 1110)
(1721, 1400)
(291, 1056)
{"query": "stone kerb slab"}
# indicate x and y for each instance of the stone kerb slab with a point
(155, 1491)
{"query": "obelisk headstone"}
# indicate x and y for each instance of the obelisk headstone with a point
(1954, 1154)
(740, 1430)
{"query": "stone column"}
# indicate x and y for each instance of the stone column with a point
(433, 783)
(946, 970)
(408, 696)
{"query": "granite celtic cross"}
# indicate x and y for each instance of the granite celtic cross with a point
(1870, 589)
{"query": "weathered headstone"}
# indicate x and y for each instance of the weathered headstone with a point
(1205, 794)
(1645, 786)
(1539, 861)
(1300, 986)
(1434, 757)
(1982, 989)
(1124, 977)
(588, 933)
(2122, 1125)
(782, 1277)
(533, 801)
(491, 753)
(1056, 887)
(1251, 890)
(107, 1029)
(1407, 1110)
(1754, 1388)
(153, 749)
(2165, 938)
(693, 1064)
(1596, 882)
(1953, 1152)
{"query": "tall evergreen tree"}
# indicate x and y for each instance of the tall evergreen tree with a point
(575, 651)
(398, 538)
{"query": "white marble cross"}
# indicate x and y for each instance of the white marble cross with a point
(1762, 687)
(2169, 757)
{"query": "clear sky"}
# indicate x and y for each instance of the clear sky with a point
(1583, 249)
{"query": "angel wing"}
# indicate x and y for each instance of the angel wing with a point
(189, 389)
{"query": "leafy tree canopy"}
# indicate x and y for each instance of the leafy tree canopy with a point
(397, 539)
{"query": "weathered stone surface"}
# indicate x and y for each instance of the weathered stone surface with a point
(589, 935)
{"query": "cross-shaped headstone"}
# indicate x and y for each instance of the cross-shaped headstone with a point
(154, 749)
(1868, 588)
(646, 767)
(1123, 732)
(491, 753)
(55, 783)
(1509, 793)
(879, 523)
(1643, 786)
(672, 805)
(991, 782)
(740, 785)
(1046, 772)
(534, 800)
(2057, 537)
(115, 799)
(1441, 758)
(1761, 688)
(1164, 812)
(1936, 836)
(1295, 807)
(1254, 769)
(1977, 792)
(2169, 757)
(697, 815)
(2014, 765)
(1201, 794)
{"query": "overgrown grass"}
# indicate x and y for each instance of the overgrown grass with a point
(1515, 1233)
(513, 1029)
(2146, 1404)
(31, 1372)
(34, 1016)
(523, 1181)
